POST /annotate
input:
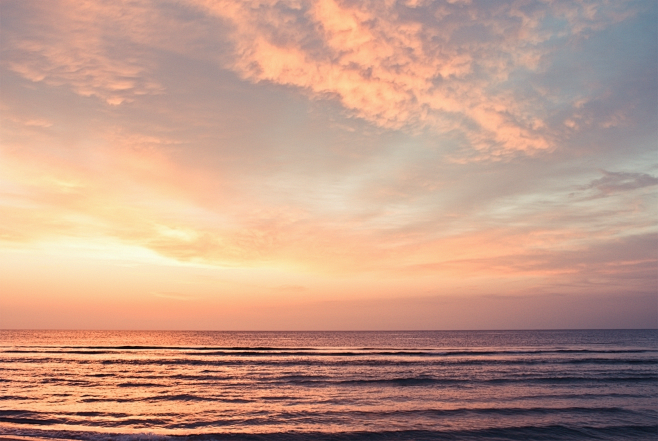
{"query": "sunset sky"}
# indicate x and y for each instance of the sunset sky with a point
(328, 164)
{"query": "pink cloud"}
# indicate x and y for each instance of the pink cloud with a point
(69, 43)
(444, 67)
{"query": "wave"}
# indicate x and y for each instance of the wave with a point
(412, 381)
(167, 398)
(13, 398)
(528, 432)
(427, 381)
(207, 364)
(27, 417)
(155, 348)
(171, 421)
(137, 384)
(553, 376)
(548, 433)
(252, 350)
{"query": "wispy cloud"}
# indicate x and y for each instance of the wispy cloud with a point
(614, 182)
(94, 48)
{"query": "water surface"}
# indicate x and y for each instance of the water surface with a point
(330, 385)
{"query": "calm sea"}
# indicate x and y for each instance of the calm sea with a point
(530, 385)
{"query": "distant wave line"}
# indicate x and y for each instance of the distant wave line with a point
(318, 381)
(47, 416)
(257, 350)
(546, 431)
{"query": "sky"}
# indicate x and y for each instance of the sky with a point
(328, 164)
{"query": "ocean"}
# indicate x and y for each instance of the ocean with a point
(462, 385)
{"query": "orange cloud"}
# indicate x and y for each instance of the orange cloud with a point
(446, 67)
(442, 66)
(68, 45)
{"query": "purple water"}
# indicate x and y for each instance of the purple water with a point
(330, 385)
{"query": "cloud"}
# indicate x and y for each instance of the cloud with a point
(450, 67)
(615, 182)
(131, 188)
(459, 69)
(74, 44)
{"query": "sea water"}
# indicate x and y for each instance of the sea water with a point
(562, 385)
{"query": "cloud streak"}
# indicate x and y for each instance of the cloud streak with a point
(615, 182)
